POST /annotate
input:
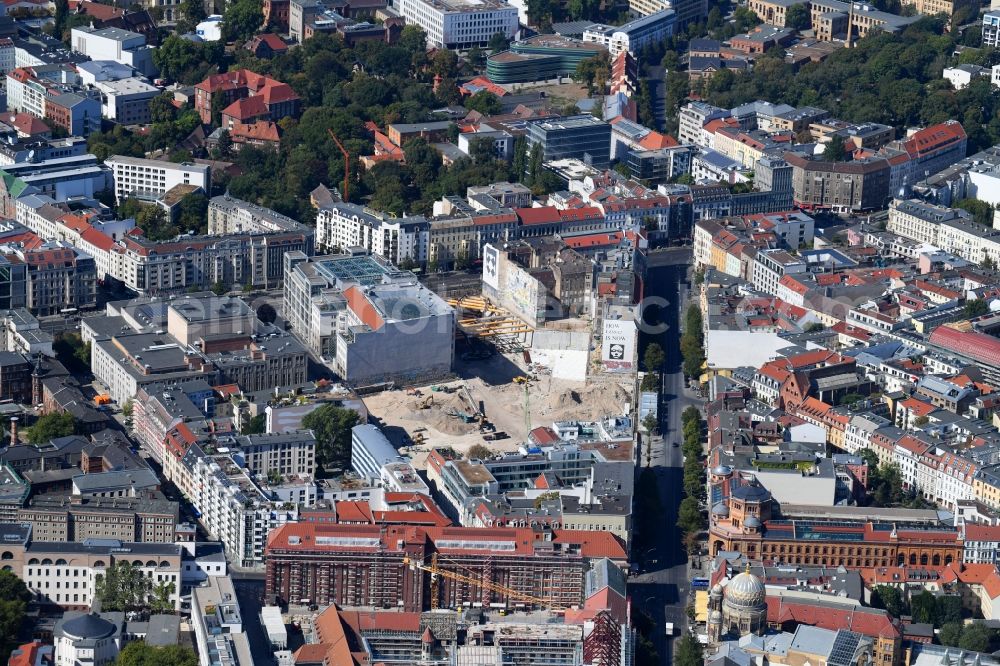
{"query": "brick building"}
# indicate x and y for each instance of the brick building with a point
(365, 565)
(744, 522)
(221, 91)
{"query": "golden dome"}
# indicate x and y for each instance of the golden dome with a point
(745, 591)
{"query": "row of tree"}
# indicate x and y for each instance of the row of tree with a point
(690, 517)
(693, 342)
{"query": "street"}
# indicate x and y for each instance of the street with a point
(662, 590)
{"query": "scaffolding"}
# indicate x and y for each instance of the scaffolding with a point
(478, 318)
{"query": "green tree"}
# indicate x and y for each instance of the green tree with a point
(51, 426)
(72, 352)
(889, 598)
(976, 637)
(814, 327)
(499, 42)
(14, 598)
(688, 651)
(835, 150)
(161, 108)
(478, 452)
(241, 20)
(654, 358)
(123, 587)
(949, 609)
(689, 518)
(159, 599)
(332, 427)
(193, 213)
(649, 423)
(797, 17)
(484, 102)
(266, 313)
(255, 426)
(981, 211)
(950, 634)
(923, 608)
(192, 13)
(975, 308)
(594, 72)
(219, 288)
(138, 653)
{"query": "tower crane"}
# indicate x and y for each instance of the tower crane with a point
(434, 570)
(347, 162)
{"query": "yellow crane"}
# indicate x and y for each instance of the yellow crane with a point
(435, 571)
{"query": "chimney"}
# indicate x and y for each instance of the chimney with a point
(13, 431)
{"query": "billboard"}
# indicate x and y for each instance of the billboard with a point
(491, 266)
(618, 345)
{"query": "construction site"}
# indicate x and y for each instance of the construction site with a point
(511, 378)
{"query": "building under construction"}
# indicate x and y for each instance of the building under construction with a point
(419, 568)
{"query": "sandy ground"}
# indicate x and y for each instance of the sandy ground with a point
(503, 401)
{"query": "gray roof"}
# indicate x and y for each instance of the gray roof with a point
(84, 626)
(604, 573)
(134, 478)
(162, 630)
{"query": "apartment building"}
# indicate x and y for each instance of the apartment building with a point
(966, 9)
(460, 24)
(150, 267)
(53, 92)
(553, 570)
(148, 180)
(920, 221)
(374, 322)
(233, 506)
(56, 276)
(76, 519)
(692, 119)
(634, 35)
(345, 225)
(840, 186)
(229, 215)
(991, 29)
(772, 265)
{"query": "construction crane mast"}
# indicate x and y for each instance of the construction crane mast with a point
(434, 570)
(347, 162)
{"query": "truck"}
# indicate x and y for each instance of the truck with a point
(670, 628)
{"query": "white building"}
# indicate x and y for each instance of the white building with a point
(126, 101)
(128, 48)
(961, 76)
(343, 225)
(93, 71)
(210, 30)
(634, 35)
(771, 265)
(991, 29)
(218, 624)
(150, 179)
(87, 639)
(460, 24)
(65, 574)
(8, 55)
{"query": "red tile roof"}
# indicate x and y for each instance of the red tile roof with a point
(977, 346)
(867, 621)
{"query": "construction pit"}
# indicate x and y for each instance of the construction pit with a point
(504, 386)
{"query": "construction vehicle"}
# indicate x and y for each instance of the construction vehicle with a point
(414, 392)
(435, 571)
(425, 403)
